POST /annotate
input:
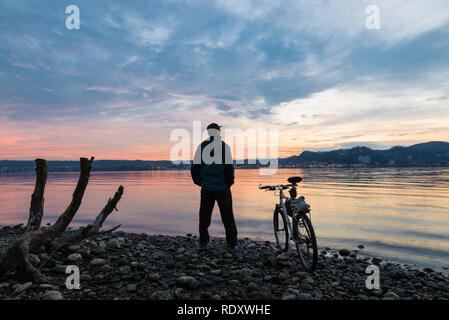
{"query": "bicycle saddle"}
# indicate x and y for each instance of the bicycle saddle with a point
(294, 179)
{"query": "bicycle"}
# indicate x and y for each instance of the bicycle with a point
(300, 228)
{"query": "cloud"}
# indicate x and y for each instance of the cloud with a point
(23, 65)
(311, 69)
(108, 89)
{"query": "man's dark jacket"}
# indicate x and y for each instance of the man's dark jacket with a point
(213, 176)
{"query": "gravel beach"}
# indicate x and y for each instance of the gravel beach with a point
(123, 265)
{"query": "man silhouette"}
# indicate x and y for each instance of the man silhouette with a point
(213, 171)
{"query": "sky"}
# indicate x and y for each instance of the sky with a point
(136, 70)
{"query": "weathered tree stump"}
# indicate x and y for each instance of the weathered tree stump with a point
(15, 256)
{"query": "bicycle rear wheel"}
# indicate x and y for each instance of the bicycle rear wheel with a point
(305, 240)
(280, 229)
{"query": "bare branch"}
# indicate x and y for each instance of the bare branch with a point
(37, 198)
(92, 228)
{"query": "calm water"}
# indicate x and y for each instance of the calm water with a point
(400, 214)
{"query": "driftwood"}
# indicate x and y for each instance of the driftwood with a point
(14, 258)
(37, 198)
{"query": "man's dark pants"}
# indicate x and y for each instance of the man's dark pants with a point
(224, 200)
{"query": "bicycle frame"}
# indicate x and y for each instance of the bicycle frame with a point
(282, 197)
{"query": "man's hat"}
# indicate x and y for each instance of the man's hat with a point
(214, 126)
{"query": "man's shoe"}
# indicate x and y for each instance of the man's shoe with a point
(203, 246)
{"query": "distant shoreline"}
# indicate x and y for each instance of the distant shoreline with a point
(429, 155)
(59, 170)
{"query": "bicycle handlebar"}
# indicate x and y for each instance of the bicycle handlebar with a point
(279, 186)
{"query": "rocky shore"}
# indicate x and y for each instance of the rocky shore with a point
(122, 265)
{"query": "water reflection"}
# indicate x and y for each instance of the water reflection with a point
(402, 214)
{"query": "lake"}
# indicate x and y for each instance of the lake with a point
(401, 214)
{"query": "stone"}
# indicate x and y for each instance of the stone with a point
(216, 272)
(99, 251)
(98, 262)
(52, 295)
(252, 286)
(283, 275)
(179, 293)
(304, 296)
(245, 273)
(85, 277)
(185, 281)
(131, 287)
(180, 250)
(59, 268)
(377, 260)
(234, 283)
(105, 268)
(390, 295)
(23, 287)
(75, 257)
(306, 287)
(99, 277)
(124, 270)
(308, 280)
(289, 296)
(74, 248)
(154, 276)
(113, 243)
(344, 252)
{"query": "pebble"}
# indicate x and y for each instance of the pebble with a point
(185, 281)
(163, 267)
(154, 277)
(74, 248)
(304, 296)
(131, 287)
(114, 244)
(23, 287)
(75, 257)
(125, 270)
(391, 296)
(52, 295)
(98, 262)
(105, 268)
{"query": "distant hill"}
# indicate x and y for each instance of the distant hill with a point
(435, 153)
(429, 154)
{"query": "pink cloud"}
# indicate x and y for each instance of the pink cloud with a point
(108, 89)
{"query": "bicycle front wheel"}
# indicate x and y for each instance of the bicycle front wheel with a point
(280, 229)
(305, 240)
